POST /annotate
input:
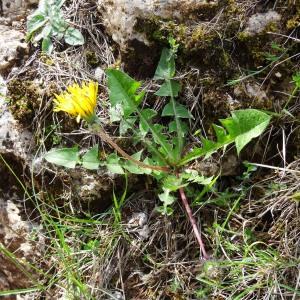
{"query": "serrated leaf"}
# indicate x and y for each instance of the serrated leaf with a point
(241, 128)
(193, 176)
(166, 65)
(165, 210)
(133, 167)
(180, 111)
(166, 197)
(171, 89)
(66, 157)
(122, 90)
(172, 183)
(113, 164)
(148, 114)
(126, 124)
(91, 159)
(159, 137)
(251, 123)
(173, 127)
(221, 133)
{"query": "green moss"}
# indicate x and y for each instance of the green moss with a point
(294, 22)
(24, 99)
(92, 58)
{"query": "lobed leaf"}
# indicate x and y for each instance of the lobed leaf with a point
(170, 89)
(240, 128)
(180, 111)
(166, 66)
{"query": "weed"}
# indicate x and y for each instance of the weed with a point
(48, 22)
(164, 157)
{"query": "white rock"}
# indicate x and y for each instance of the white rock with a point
(13, 139)
(16, 9)
(138, 219)
(12, 45)
(120, 16)
(258, 22)
(99, 74)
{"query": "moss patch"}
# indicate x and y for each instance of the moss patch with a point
(25, 98)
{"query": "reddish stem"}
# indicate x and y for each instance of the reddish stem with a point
(193, 222)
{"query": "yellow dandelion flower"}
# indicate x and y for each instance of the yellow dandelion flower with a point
(78, 101)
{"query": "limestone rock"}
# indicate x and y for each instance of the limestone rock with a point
(12, 47)
(123, 18)
(16, 235)
(15, 9)
(13, 139)
(120, 16)
(258, 22)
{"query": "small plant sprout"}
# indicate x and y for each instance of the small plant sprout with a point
(161, 145)
(47, 22)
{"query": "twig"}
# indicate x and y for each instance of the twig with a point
(193, 222)
(275, 168)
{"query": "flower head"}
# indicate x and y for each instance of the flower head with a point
(78, 101)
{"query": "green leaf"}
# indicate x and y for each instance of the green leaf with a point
(66, 157)
(296, 79)
(45, 33)
(240, 128)
(180, 111)
(91, 159)
(74, 37)
(47, 45)
(165, 210)
(166, 65)
(44, 6)
(123, 89)
(113, 164)
(171, 89)
(133, 167)
(35, 22)
(172, 183)
(251, 124)
(173, 127)
(166, 197)
(116, 113)
(161, 139)
(148, 114)
(193, 176)
(126, 124)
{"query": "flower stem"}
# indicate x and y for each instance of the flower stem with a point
(106, 138)
(193, 222)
